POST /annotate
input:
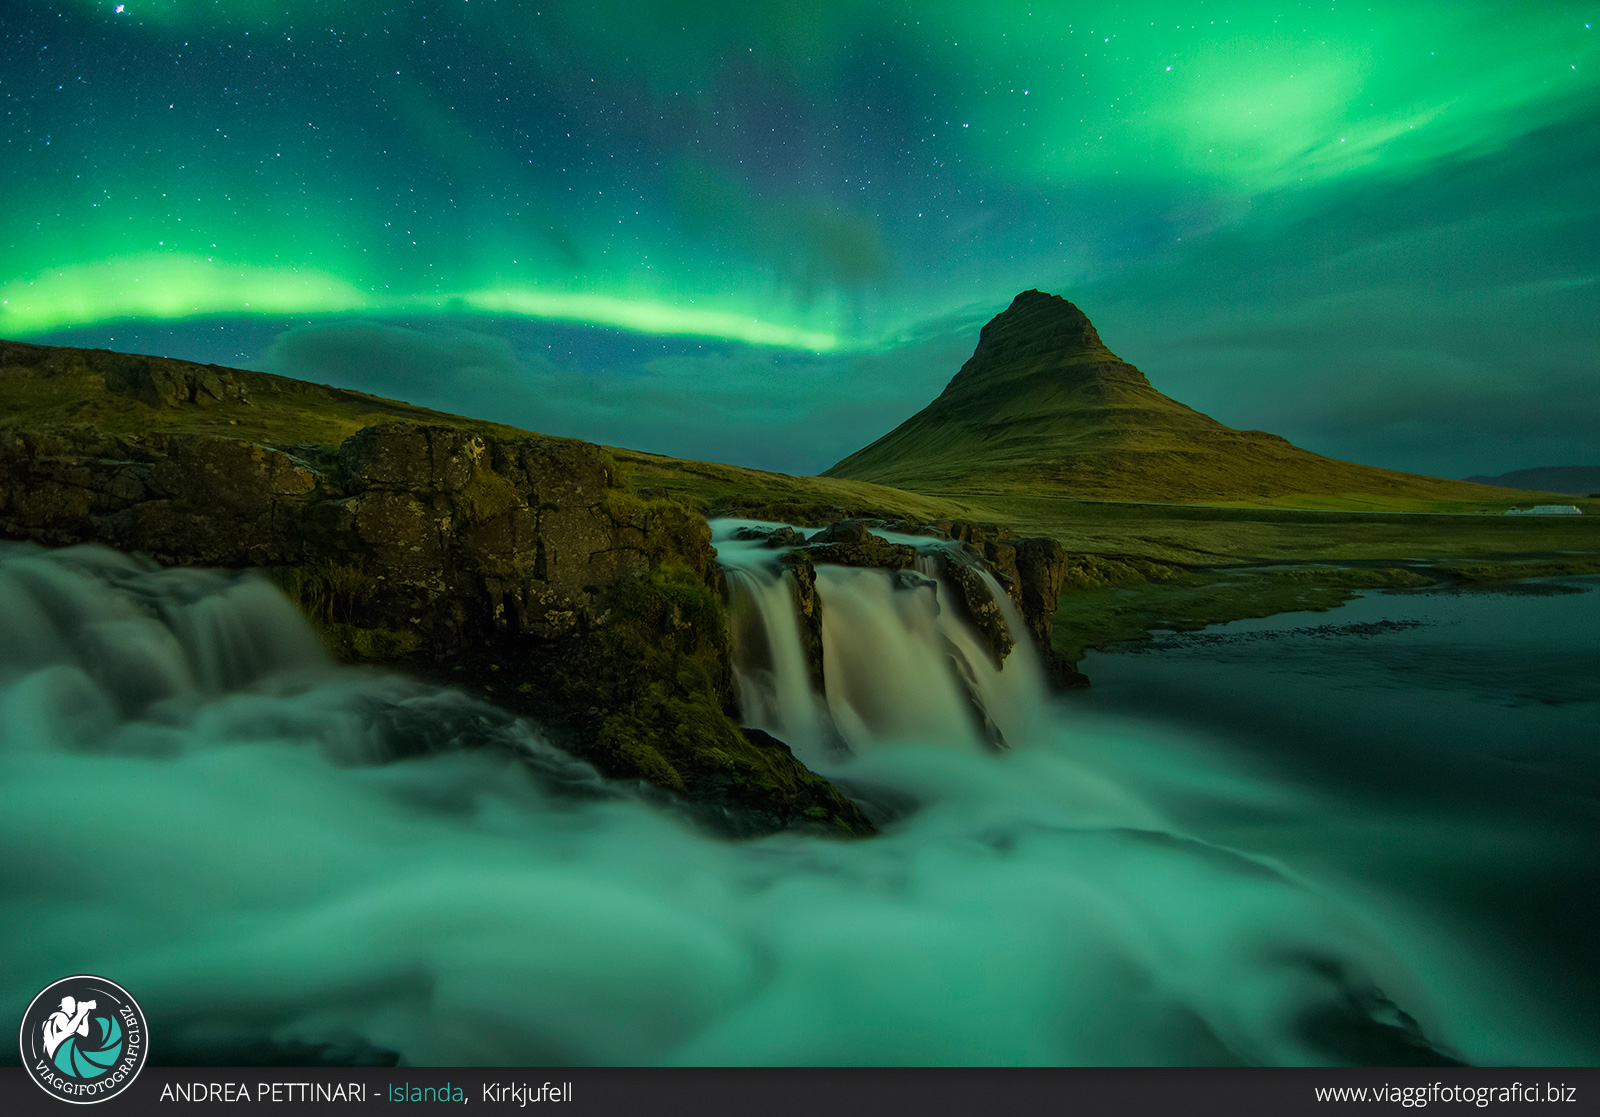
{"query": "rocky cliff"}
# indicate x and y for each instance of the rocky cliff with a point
(517, 565)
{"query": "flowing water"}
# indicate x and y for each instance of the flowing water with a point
(901, 666)
(288, 860)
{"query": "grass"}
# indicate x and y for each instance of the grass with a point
(718, 487)
(278, 412)
(1100, 617)
(1104, 616)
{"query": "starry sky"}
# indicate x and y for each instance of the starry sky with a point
(766, 233)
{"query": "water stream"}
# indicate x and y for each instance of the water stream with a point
(900, 664)
(288, 860)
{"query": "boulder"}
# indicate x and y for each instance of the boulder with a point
(875, 552)
(850, 543)
(774, 537)
(846, 531)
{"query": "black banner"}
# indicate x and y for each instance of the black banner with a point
(1226, 1092)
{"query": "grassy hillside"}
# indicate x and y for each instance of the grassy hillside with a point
(44, 387)
(1138, 565)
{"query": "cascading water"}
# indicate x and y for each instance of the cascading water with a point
(287, 860)
(899, 663)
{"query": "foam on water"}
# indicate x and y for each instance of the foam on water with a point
(282, 858)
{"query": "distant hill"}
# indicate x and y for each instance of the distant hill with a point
(1044, 408)
(1576, 480)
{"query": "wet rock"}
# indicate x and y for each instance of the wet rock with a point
(1062, 673)
(808, 611)
(846, 531)
(976, 603)
(762, 739)
(1033, 571)
(772, 537)
(966, 681)
(849, 543)
(912, 580)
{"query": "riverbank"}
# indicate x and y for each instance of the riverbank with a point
(1126, 601)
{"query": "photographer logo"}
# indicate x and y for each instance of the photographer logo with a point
(83, 1039)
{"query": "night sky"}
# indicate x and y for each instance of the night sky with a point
(766, 232)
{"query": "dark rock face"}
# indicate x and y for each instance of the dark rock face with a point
(1032, 571)
(808, 611)
(215, 501)
(977, 603)
(1035, 325)
(166, 383)
(851, 543)
(519, 567)
(433, 522)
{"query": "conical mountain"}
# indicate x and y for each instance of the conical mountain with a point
(1043, 407)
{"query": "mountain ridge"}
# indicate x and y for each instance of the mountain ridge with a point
(1575, 480)
(1043, 405)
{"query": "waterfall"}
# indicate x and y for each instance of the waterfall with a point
(292, 861)
(899, 663)
(98, 637)
(106, 653)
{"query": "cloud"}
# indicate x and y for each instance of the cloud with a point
(420, 366)
(812, 246)
(794, 413)
(1445, 324)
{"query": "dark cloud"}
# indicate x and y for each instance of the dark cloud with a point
(793, 414)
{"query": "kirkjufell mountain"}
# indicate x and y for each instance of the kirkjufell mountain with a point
(1043, 407)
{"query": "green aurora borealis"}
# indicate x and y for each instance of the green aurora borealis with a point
(1372, 231)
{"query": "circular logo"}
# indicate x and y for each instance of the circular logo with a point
(83, 1039)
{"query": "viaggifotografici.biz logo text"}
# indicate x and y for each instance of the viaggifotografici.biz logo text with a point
(83, 1039)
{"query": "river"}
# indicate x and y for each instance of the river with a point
(1265, 850)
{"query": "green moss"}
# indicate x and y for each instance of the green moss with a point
(622, 506)
(619, 475)
(632, 740)
(327, 593)
(1094, 571)
(486, 495)
(376, 645)
(676, 534)
(660, 666)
